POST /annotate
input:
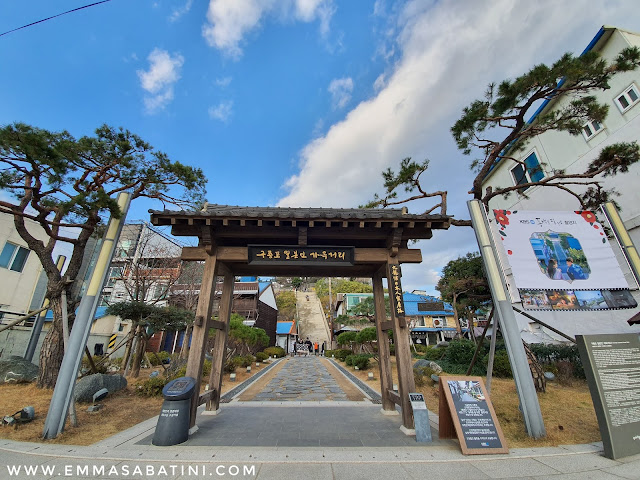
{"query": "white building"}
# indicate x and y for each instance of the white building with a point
(553, 151)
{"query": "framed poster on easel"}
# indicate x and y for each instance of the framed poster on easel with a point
(466, 413)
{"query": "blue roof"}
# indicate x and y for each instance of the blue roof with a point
(262, 286)
(284, 328)
(100, 312)
(411, 301)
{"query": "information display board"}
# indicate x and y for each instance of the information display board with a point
(420, 418)
(466, 412)
(612, 367)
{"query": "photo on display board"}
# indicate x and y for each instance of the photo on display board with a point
(619, 299)
(560, 256)
(562, 300)
(535, 300)
(591, 299)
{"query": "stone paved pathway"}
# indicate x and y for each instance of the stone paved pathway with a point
(302, 379)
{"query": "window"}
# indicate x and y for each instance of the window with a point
(628, 98)
(591, 129)
(115, 274)
(528, 171)
(13, 257)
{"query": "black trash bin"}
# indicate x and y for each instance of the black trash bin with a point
(173, 423)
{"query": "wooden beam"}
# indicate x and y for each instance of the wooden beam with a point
(302, 236)
(386, 325)
(362, 255)
(220, 341)
(199, 333)
(205, 397)
(406, 382)
(384, 363)
(225, 222)
(394, 397)
(217, 324)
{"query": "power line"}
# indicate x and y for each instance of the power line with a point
(58, 15)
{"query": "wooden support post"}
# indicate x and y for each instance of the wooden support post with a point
(220, 341)
(386, 380)
(201, 328)
(406, 382)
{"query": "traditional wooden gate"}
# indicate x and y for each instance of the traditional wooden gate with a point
(323, 242)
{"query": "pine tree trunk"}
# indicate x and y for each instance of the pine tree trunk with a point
(137, 357)
(52, 350)
(184, 350)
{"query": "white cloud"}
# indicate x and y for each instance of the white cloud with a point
(159, 79)
(222, 111)
(446, 53)
(223, 82)
(340, 90)
(229, 21)
(178, 12)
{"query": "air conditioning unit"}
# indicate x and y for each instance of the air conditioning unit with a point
(437, 323)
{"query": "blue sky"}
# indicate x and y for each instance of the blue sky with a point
(288, 102)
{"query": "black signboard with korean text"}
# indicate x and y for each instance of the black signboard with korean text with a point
(466, 412)
(293, 255)
(612, 367)
(395, 290)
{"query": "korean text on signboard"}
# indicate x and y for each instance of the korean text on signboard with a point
(287, 255)
(395, 289)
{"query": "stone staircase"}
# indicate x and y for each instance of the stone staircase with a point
(312, 322)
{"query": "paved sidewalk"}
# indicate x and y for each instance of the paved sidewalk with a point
(302, 379)
(294, 439)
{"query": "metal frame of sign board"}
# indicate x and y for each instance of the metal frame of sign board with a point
(449, 424)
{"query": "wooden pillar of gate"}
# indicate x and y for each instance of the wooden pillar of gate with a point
(406, 382)
(386, 379)
(204, 312)
(220, 342)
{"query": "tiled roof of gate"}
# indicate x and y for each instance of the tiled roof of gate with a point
(215, 210)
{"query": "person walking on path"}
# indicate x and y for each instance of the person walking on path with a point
(324, 344)
(315, 348)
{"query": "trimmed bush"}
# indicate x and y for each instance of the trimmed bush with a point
(501, 365)
(151, 387)
(277, 351)
(553, 357)
(434, 353)
(158, 358)
(261, 356)
(361, 361)
(340, 354)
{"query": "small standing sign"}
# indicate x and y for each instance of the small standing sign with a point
(466, 412)
(420, 418)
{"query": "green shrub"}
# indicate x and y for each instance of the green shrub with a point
(460, 352)
(340, 354)
(277, 351)
(96, 359)
(549, 355)
(346, 338)
(151, 387)
(361, 361)
(158, 358)
(261, 356)
(417, 347)
(230, 365)
(206, 368)
(434, 353)
(501, 365)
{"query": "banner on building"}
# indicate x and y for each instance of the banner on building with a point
(562, 261)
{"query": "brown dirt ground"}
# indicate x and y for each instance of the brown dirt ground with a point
(120, 411)
(567, 410)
